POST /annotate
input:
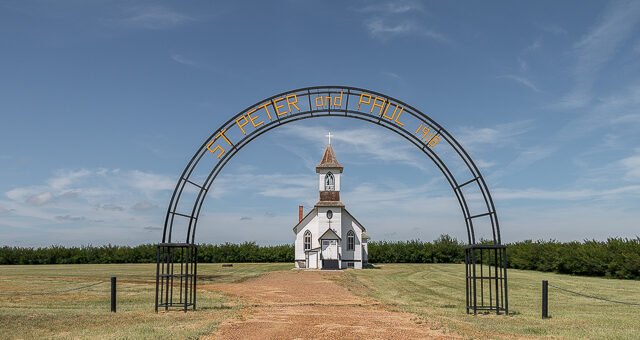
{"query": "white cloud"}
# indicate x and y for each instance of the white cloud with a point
(382, 29)
(560, 195)
(597, 47)
(155, 17)
(69, 218)
(521, 80)
(111, 207)
(90, 199)
(143, 206)
(536, 44)
(523, 65)
(392, 7)
(64, 178)
(391, 75)
(40, 199)
(147, 181)
(274, 185)
(370, 142)
(179, 58)
(531, 155)
(632, 167)
(500, 135)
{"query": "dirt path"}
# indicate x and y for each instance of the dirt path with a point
(309, 305)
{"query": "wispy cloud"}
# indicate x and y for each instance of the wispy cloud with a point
(396, 7)
(66, 218)
(94, 199)
(523, 65)
(632, 167)
(372, 143)
(398, 18)
(522, 81)
(154, 17)
(143, 206)
(536, 44)
(180, 59)
(382, 29)
(551, 28)
(560, 195)
(391, 75)
(500, 135)
(597, 47)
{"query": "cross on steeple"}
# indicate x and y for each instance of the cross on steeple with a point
(329, 135)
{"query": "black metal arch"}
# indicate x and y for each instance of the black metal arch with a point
(219, 143)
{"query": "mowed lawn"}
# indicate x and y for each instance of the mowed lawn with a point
(433, 291)
(86, 313)
(436, 292)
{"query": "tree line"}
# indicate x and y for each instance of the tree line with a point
(615, 257)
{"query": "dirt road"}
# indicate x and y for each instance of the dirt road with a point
(310, 305)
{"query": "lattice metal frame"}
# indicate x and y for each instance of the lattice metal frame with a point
(305, 95)
(486, 278)
(176, 268)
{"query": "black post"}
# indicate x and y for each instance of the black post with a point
(545, 299)
(113, 294)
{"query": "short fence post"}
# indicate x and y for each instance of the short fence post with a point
(545, 299)
(113, 294)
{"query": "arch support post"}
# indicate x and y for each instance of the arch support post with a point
(486, 286)
(176, 270)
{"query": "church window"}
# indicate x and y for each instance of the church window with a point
(350, 240)
(329, 182)
(307, 240)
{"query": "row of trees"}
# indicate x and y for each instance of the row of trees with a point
(145, 253)
(616, 257)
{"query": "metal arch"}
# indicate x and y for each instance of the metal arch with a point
(216, 170)
(499, 252)
(326, 112)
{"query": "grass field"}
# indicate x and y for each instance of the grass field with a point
(85, 313)
(436, 292)
(433, 291)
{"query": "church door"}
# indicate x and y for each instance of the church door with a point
(312, 259)
(330, 254)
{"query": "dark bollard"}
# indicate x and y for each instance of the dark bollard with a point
(545, 299)
(113, 294)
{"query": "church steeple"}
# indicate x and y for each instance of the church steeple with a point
(329, 171)
(329, 160)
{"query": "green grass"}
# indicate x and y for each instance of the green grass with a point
(437, 293)
(85, 313)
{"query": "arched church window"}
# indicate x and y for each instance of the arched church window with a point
(351, 240)
(307, 240)
(329, 182)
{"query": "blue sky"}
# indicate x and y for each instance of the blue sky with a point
(103, 103)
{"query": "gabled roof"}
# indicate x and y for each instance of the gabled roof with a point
(304, 218)
(329, 235)
(354, 219)
(329, 160)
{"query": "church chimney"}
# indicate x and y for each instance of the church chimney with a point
(300, 213)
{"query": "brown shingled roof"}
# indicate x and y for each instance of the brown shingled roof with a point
(329, 159)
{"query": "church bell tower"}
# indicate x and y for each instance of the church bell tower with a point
(329, 172)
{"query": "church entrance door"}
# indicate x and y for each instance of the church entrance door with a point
(329, 249)
(330, 254)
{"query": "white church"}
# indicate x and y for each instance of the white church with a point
(329, 237)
